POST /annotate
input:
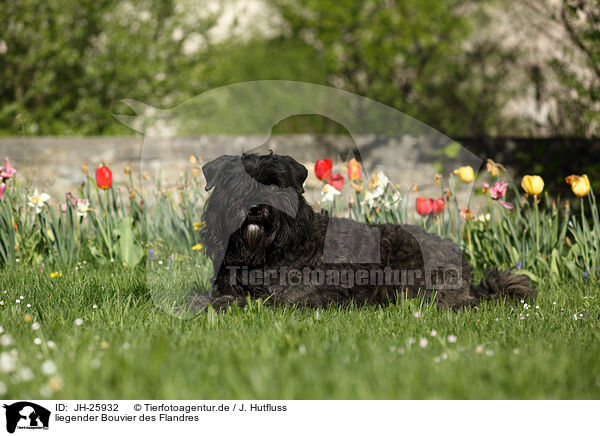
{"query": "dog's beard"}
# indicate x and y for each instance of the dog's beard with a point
(253, 234)
(253, 242)
(233, 235)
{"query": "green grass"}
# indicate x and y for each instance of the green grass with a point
(128, 348)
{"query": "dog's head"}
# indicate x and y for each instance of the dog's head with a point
(256, 208)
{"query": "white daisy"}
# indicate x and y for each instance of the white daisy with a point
(5, 340)
(25, 374)
(48, 367)
(8, 362)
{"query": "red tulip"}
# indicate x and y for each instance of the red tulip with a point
(438, 205)
(424, 206)
(104, 177)
(354, 170)
(337, 181)
(323, 169)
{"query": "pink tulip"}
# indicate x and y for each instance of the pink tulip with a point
(498, 190)
(7, 171)
(2, 188)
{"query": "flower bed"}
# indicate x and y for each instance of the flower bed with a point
(108, 220)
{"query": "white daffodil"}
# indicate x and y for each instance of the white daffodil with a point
(37, 200)
(388, 205)
(329, 193)
(83, 206)
(376, 188)
(379, 182)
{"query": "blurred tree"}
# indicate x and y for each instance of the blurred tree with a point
(579, 98)
(419, 56)
(64, 65)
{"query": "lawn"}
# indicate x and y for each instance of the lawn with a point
(96, 333)
(88, 283)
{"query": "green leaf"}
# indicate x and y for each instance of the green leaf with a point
(554, 263)
(127, 249)
(575, 272)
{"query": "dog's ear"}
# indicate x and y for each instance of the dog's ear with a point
(298, 172)
(215, 169)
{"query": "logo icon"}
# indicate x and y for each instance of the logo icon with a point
(26, 415)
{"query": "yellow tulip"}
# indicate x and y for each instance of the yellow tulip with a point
(465, 174)
(199, 225)
(354, 170)
(533, 185)
(579, 184)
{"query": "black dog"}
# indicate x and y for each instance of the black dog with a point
(266, 242)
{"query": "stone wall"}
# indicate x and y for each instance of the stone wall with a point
(54, 163)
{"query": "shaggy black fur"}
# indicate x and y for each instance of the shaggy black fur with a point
(258, 220)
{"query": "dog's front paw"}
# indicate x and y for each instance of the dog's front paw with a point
(194, 305)
(221, 302)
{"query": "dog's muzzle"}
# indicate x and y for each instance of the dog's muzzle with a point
(253, 233)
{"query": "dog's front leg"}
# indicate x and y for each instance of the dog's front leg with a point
(221, 302)
(199, 303)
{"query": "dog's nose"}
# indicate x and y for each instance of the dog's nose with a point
(255, 212)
